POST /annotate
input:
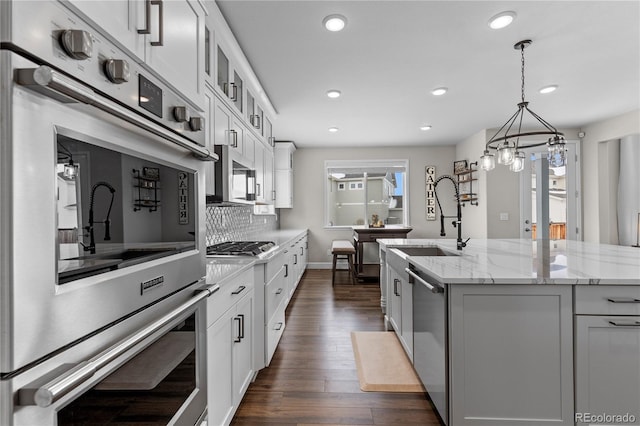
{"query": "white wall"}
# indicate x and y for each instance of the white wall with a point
(308, 190)
(603, 131)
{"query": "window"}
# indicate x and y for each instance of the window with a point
(355, 190)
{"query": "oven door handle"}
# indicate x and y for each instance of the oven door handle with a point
(52, 391)
(55, 85)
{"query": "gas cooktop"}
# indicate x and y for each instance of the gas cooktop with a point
(240, 248)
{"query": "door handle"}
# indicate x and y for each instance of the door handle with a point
(234, 138)
(234, 92)
(286, 270)
(625, 323)
(623, 300)
(278, 327)
(238, 338)
(279, 291)
(241, 326)
(295, 259)
(147, 18)
(258, 191)
(160, 5)
(395, 286)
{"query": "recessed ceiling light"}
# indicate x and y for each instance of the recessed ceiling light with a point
(333, 93)
(334, 22)
(333, 129)
(425, 127)
(501, 20)
(549, 89)
(439, 91)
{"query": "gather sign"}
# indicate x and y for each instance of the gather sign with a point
(430, 196)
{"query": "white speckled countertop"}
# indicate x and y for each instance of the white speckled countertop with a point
(515, 261)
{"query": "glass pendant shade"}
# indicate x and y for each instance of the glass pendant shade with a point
(487, 161)
(506, 154)
(70, 170)
(557, 155)
(518, 162)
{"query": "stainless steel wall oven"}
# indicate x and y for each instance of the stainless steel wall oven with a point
(102, 214)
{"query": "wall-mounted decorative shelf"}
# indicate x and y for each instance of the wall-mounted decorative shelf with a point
(465, 180)
(147, 183)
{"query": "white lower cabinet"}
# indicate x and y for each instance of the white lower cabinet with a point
(607, 354)
(229, 347)
(511, 355)
(400, 311)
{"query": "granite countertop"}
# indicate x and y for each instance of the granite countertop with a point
(519, 261)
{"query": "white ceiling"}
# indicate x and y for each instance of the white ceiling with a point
(393, 53)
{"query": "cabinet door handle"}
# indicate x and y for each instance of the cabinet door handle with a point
(273, 194)
(295, 259)
(241, 326)
(234, 138)
(255, 121)
(395, 286)
(147, 18)
(238, 339)
(272, 140)
(160, 5)
(625, 323)
(258, 191)
(239, 290)
(279, 291)
(301, 251)
(278, 327)
(286, 270)
(234, 92)
(623, 300)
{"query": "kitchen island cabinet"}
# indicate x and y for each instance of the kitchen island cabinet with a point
(508, 311)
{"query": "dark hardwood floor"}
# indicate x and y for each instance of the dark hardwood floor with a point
(312, 378)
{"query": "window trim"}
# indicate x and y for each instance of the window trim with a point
(363, 164)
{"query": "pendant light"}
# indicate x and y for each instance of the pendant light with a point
(506, 141)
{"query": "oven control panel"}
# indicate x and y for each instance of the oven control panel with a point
(70, 44)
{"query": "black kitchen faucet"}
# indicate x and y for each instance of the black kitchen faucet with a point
(458, 222)
(107, 234)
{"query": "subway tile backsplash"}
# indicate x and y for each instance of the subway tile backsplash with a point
(236, 223)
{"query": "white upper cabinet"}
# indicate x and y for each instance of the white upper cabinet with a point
(283, 155)
(165, 35)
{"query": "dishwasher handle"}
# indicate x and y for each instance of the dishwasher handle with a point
(435, 288)
(63, 384)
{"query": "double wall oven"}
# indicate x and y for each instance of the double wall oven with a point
(102, 229)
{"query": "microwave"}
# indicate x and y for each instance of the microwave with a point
(235, 178)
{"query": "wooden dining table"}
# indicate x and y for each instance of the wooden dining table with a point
(364, 234)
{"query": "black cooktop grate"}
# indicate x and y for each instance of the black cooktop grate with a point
(240, 248)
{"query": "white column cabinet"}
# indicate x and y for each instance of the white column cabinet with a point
(283, 156)
(176, 55)
(210, 110)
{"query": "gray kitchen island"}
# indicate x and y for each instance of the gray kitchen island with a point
(519, 332)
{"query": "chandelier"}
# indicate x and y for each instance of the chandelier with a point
(506, 141)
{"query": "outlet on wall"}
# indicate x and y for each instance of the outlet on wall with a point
(504, 216)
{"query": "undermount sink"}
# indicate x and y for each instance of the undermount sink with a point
(425, 251)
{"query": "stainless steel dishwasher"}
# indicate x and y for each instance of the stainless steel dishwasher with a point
(430, 338)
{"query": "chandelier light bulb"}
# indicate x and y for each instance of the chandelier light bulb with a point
(506, 154)
(487, 161)
(518, 162)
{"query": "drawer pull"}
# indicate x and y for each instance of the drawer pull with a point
(623, 300)
(278, 327)
(625, 323)
(239, 290)
(279, 291)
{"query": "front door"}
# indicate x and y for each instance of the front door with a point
(550, 189)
